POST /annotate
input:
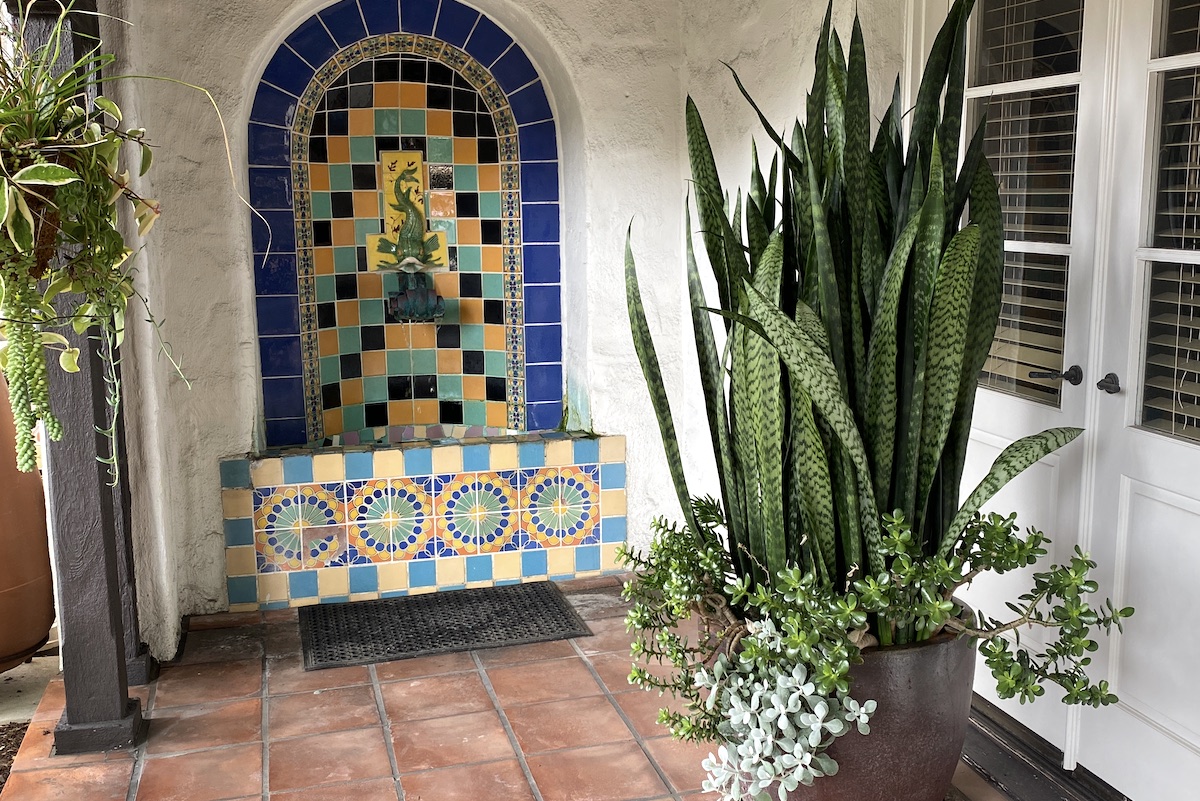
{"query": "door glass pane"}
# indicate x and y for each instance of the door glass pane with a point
(1020, 39)
(1177, 201)
(1029, 335)
(1181, 27)
(1171, 396)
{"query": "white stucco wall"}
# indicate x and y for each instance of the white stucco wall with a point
(617, 72)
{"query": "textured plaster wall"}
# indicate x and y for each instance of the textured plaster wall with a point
(617, 71)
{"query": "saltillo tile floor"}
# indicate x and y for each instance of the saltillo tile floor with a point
(237, 718)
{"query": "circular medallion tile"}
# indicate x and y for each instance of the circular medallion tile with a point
(560, 506)
(477, 511)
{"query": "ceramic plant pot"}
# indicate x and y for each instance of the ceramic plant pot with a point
(26, 588)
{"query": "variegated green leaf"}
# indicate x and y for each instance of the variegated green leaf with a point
(811, 480)
(708, 201)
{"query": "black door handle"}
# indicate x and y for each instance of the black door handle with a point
(1110, 384)
(1073, 375)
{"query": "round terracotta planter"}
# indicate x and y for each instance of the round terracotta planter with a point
(26, 588)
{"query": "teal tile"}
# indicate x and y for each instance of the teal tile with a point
(399, 362)
(450, 387)
(493, 363)
(239, 532)
(302, 584)
(470, 258)
(387, 122)
(362, 149)
(326, 289)
(471, 336)
(533, 563)
(364, 578)
(493, 286)
(242, 589)
(354, 417)
(370, 312)
(412, 122)
(345, 259)
(375, 388)
(466, 178)
(349, 339)
(322, 208)
(331, 370)
(449, 226)
(235, 473)
(363, 229)
(424, 362)
(341, 178)
(489, 204)
(479, 568)
(474, 413)
(441, 150)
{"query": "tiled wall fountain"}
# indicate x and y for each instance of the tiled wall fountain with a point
(405, 177)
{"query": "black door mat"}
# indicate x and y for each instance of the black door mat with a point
(362, 632)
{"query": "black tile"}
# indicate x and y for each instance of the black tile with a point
(495, 388)
(493, 312)
(338, 123)
(317, 150)
(363, 176)
(387, 69)
(450, 412)
(362, 73)
(347, 286)
(414, 143)
(470, 285)
(360, 256)
(452, 258)
(489, 231)
(465, 100)
(460, 82)
(342, 204)
(424, 386)
(484, 124)
(331, 396)
(326, 315)
(441, 176)
(318, 125)
(440, 74)
(383, 143)
(438, 97)
(413, 69)
(322, 233)
(489, 151)
(473, 362)
(400, 387)
(341, 80)
(466, 204)
(362, 96)
(464, 123)
(351, 364)
(372, 337)
(448, 336)
(376, 415)
(337, 98)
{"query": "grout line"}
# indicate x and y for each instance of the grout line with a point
(265, 726)
(386, 726)
(135, 779)
(508, 729)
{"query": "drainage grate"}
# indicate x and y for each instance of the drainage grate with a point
(362, 632)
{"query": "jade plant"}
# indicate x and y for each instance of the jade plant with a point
(858, 285)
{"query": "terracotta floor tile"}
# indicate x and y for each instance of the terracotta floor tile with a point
(223, 645)
(614, 670)
(54, 700)
(191, 728)
(598, 604)
(641, 707)
(282, 640)
(435, 697)
(322, 711)
(567, 724)
(38, 745)
(280, 615)
(203, 775)
(553, 680)
(289, 676)
(443, 742)
(103, 781)
(502, 781)
(457, 662)
(332, 758)
(608, 635)
(223, 620)
(200, 684)
(589, 583)
(518, 654)
(618, 772)
(680, 761)
(374, 790)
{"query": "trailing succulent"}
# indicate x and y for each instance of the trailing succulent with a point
(858, 287)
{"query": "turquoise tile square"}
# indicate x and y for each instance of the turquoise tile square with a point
(399, 362)
(493, 286)
(371, 312)
(239, 532)
(393, 594)
(362, 149)
(449, 226)
(387, 122)
(331, 369)
(479, 568)
(466, 178)
(531, 454)
(450, 387)
(374, 391)
(474, 413)
(587, 451)
(349, 339)
(470, 259)
(449, 587)
(322, 206)
(441, 150)
(360, 465)
(235, 473)
(489, 204)
(364, 228)
(612, 476)
(533, 563)
(326, 289)
(341, 177)
(302, 584)
(506, 582)
(424, 362)
(242, 589)
(470, 336)
(587, 557)
(345, 259)
(493, 364)
(354, 418)
(335, 599)
(476, 458)
(364, 578)
(613, 529)
(412, 122)
(298, 469)
(418, 461)
(422, 573)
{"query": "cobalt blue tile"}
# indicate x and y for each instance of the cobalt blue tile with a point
(543, 382)
(282, 433)
(543, 343)
(345, 22)
(539, 181)
(543, 416)
(360, 466)
(447, 587)
(477, 458)
(270, 188)
(283, 397)
(422, 573)
(312, 42)
(418, 462)
(288, 71)
(538, 142)
(280, 356)
(506, 582)
(278, 315)
(543, 304)
(269, 146)
(242, 589)
(455, 22)
(282, 233)
(297, 470)
(487, 42)
(302, 584)
(235, 473)
(531, 454)
(272, 106)
(539, 222)
(364, 578)
(587, 557)
(541, 264)
(479, 568)
(276, 274)
(417, 16)
(239, 532)
(513, 70)
(612, 476)
(533, 563)
(586, 451)
(530, 105)
(382, 16)
(612, 529)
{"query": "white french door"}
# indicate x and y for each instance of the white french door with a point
(1094, 132)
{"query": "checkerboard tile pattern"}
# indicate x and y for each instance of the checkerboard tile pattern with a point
(347, 525)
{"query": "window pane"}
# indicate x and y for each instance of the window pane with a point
(1181, 27)
(1020, 39)
(1029, 335)
(1030, 143)
(1171, 396)
(1177, 206)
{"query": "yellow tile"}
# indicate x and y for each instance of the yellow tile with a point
(240, 561)
(304, 601)
(612, 449)
(272, 587)
(235, 608)
(393, 576)
(364, 596)
(422, 590)
(471, 585)
(612, 502)
(531, 579)
(447, 459)
(560, 452)
(505, 565)
(504, 457)
(333, 581)
(329, 467)
(237, 503)
(266, 473)
(587, 573)
(389, 464)
(560, 561)
(608, 556)
(451, 570)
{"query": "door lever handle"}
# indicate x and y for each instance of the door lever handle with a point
(1110, 384)
(1073, 375)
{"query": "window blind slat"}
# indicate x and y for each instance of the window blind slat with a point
(1020, 39)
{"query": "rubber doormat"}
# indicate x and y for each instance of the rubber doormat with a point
(362, 632)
